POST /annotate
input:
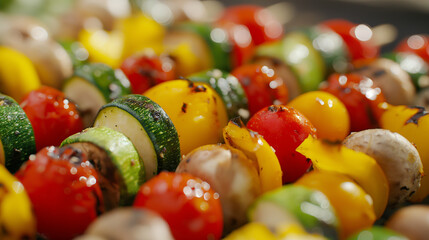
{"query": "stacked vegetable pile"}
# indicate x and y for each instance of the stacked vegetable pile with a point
(118, 123)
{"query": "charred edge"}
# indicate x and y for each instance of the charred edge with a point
(237, 121)
(149, 74)
(411, 193)
(155, 115)
(184, 107)
(190, 83)
(308, 160)
(415, 118)
(229, 140)
(199, 88)
(405, 188)
(136, 102)
(5, 102)
(274, 109)
(73, 153)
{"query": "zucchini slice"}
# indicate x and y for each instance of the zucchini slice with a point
(17, 141)
(147, 125)
(120, 169)
(94, 85)
(229, 89)
(331, 47)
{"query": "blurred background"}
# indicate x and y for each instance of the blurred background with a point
(408, 16)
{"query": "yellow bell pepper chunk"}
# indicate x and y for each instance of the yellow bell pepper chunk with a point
(413, 124)
(104, 47)
(196, 110)
(16, 214)
(18, 76)
(257, 149)
(140, 32)
(354, 207)
(251, 231)
(297, 232)
(357, 165)
(129, 36)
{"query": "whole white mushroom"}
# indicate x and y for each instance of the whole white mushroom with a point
(398, 158)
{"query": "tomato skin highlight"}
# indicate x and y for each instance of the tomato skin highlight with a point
(417, 44)
(262, 86)
(284, 129)
(363, 109)
(262, 25)
(187, 203)
(52, 116)
(358, 49)
(64, 191)
(147, 71)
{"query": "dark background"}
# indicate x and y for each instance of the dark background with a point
(407, 17)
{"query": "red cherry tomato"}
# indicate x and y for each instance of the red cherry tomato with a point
(284, 129)
(358, 38)
(262, 86)
(52, 116)
(63, 188)
(361, 98)
(146, 71)
(242, 43)
(189, 206)
(417, 44)
(262, 25)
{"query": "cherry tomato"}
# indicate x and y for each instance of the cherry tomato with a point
(327, 113)
(52, 116)
(63, 188)
(146, 71)
(284, 129)
(358, 38)
(262, 25)
(243, 46)
(417, 44)
(262, 86)
(360, 97)
(188, 204)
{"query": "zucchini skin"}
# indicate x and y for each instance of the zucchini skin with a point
(121, 152)
(229, 89)
(16, 134)
(331, 56)
(157, 125)
(111, 84)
